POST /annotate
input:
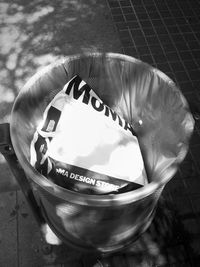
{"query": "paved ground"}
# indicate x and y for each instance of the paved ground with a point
(165, 34)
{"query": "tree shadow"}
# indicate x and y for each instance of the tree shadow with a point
(34, 34)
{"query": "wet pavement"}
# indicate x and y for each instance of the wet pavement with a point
(165, 34)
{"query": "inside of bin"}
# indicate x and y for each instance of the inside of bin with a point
(133, 89)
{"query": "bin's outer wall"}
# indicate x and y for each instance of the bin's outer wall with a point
(101, 229)
(134, 90)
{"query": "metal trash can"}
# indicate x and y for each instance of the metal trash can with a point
(107, 223)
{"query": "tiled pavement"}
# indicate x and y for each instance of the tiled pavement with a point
(165, 34)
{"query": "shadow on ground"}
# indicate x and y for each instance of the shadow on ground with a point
(36, 33)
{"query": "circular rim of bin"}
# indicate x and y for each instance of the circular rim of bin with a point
(76, 197)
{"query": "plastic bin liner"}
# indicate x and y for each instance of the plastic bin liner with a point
(135, 91)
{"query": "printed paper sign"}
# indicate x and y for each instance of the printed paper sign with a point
(84, 145)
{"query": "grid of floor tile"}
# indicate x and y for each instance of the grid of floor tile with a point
(166, 34)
